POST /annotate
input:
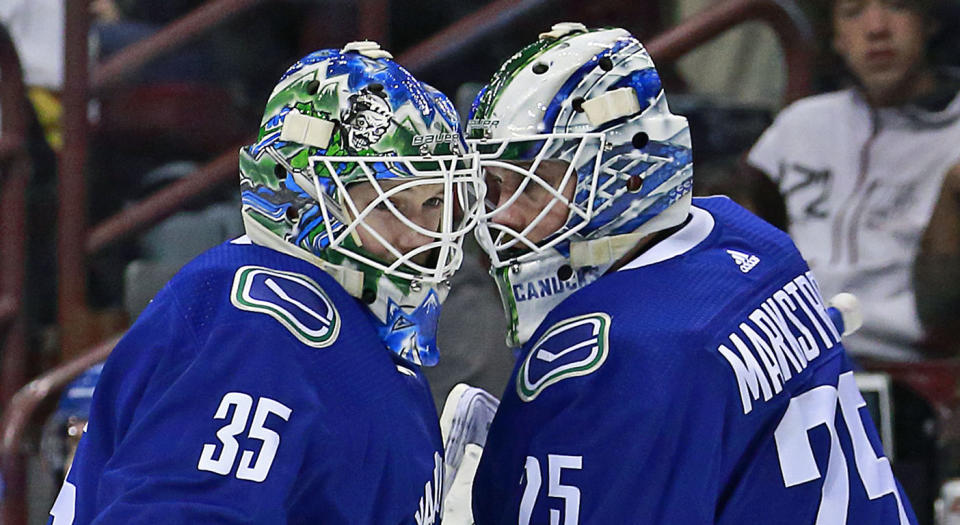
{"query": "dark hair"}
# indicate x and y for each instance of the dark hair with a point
(944, 45)
(831, 71)
(923, 7)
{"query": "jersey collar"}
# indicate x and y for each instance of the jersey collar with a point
(684, 240)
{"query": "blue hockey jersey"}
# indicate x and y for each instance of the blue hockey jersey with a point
(253, 389)
(703, 383)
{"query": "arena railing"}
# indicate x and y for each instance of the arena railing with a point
(783, 16)
(76, 241)
(15, 168)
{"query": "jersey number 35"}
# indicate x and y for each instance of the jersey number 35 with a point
(248, 469)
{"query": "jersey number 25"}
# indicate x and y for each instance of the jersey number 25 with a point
(816, 407)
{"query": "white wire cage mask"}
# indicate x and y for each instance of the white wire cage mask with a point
(458, 185)
(509, 181)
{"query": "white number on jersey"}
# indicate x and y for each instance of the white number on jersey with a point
(570, 494)
(817, 407)
(65, 506)
(248, 469)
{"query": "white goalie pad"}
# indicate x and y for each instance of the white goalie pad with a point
(464, 423)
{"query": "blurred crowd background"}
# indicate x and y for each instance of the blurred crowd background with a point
(170, 121)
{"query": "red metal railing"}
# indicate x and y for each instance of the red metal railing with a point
(784, 18)
(72, 219)
(15, 169)
(77, 241)
(16, 419)
(14, 173)
(172, 37)
(71, 177)
(466, 32)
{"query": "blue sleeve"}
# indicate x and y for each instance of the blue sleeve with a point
(186, 429)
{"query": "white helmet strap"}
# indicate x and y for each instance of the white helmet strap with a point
(602, 251)
(304, 129)
(611, 105)
(607, 250)
(563, 29)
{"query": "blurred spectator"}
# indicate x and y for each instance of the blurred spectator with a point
(861, 168)
(147, 128)
(62, 431)
(58, 442)
(142, 10)
(119, 23)
(36, 27)
(937, 270)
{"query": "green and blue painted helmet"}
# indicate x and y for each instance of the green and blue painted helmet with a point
(350, 116)
(591, 98)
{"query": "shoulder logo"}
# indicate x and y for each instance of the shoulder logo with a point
(296, 301)
(744, 261)
(573, 347)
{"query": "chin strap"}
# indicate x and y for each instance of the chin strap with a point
(350, 279)
(603, 251)
(607, 250)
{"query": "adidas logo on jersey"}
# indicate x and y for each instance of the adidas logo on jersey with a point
(744, 261)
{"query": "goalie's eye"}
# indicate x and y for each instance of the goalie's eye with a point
(492, 178)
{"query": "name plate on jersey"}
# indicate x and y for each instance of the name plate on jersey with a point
(296, 301)
(571, 348)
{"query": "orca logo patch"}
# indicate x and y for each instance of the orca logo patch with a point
(297, 302)
(571, 348)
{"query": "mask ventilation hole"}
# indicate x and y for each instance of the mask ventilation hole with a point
(279, 172)
(312, 87)
(577, 104)
(540, 68)
(640, 140)
(291, 214)
(634, 183)
(375, 87)
(606, 64)
(368, 296)
(564, 272)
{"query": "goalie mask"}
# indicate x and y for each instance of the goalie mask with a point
(576, 123)
(361, 169)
